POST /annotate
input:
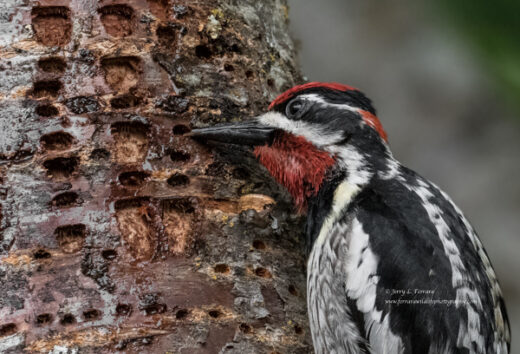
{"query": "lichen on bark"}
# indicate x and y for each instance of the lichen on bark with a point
(117, 232)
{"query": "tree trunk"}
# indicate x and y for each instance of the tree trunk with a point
(118, 233)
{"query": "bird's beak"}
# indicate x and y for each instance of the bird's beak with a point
(250, 133)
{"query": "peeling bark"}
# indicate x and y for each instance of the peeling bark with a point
(118, 233)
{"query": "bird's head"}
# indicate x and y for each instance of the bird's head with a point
(308, 131)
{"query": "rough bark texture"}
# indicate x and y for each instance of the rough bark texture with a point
(117, 232)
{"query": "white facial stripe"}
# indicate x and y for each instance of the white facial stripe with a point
(318, 99)
(312, 133)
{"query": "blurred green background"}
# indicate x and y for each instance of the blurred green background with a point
(493, 30)
(445, 79)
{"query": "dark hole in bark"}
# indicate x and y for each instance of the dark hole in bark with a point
(131, 203)
(136, 128)
(262, 272)
(121, 10)
(214, 313)
(70, 237)
(99, 154)
(123, 309)
(41, 254)
(249, 74)
(46, 88)
(183, 204)
(202, 51)
(117, 19)
(65, 199)
(270, 82)
(8, 329)
(167, 36)
(153, 309)
(298, 329)
(240, 173)
(181, 313)
(124, 101)
(221, 268)
(91, 315)
(292, 290)
(52, 25)
(57, 141)
(133, 178)
(245, 328)
(181, 129)
(61, 166)
(46, 110)
(178, 179)
(228, 67)
(67, 319)
(109, 254)
(52, 65)
(259, 245)
(44, 318)
(179, 156)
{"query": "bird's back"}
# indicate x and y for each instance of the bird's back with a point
(414, 275)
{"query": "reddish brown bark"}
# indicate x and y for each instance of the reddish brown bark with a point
(118, 233)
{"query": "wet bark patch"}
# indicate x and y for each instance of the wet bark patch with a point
(118, 20)
(52, 25)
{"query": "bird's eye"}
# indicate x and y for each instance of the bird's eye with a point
(293, 108)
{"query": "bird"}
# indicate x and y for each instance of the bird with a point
(393, 265)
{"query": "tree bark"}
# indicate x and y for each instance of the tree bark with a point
(118, 233)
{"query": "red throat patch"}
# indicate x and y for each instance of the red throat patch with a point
(296, 164)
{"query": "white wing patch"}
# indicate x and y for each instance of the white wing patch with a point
(361, 286)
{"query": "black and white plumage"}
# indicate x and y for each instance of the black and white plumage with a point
(394, 266)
